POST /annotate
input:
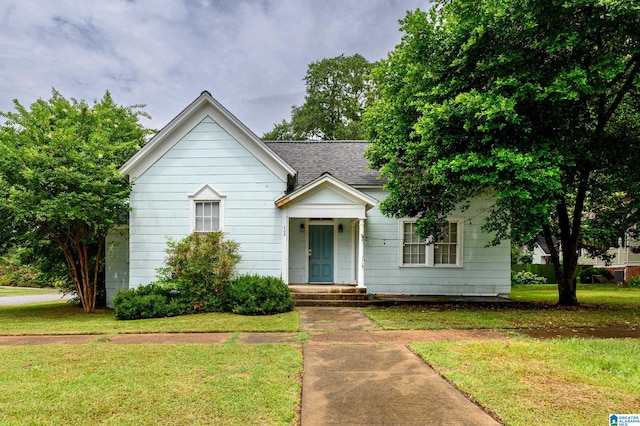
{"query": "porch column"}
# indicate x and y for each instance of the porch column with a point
(285, 248)
(361, 254)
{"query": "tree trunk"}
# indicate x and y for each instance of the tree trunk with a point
(83, 266)
(565, 271)
(569, 224)
(567, 281)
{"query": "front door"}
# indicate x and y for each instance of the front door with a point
(321, 253)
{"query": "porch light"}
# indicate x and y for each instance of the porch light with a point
(302, 227)
(340, 228)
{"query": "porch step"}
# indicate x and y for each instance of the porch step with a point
(330, 295)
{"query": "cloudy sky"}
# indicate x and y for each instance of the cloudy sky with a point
(250, 54)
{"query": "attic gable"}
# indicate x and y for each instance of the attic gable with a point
(324, 182)
(205, 106)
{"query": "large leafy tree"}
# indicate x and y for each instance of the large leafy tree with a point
(59, 179)
(536, 101)
(337, 92)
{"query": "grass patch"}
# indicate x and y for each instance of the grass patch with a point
(602, 306)
(62, 318)
(526, 381)
(150, 384)
(26, 291)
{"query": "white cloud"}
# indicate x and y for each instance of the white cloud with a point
(250, 54)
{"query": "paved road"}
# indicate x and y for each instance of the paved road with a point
(34, 298)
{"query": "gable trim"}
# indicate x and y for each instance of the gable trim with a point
(327, 180)
(202, 107)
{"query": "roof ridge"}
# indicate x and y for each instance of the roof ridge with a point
(318, 141)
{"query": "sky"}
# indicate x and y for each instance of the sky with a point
(251, 55)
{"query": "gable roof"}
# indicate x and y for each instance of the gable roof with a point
(326, 180)
(342, 159)
(202, 107)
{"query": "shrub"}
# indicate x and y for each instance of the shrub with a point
(525, 277)
(21, 276)
(586, 276)
(202, 265)
(257, 295)
(634, 282)
(153, 300)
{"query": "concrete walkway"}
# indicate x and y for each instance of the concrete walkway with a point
(373, 384)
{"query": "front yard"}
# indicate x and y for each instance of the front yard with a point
(602, 306)
(521, 380)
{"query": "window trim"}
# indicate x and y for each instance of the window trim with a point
(206, 194)
(429, 249)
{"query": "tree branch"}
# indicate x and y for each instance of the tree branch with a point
(632, 67)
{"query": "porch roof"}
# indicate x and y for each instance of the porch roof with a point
(326, 180)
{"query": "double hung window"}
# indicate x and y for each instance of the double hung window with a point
(417, 251)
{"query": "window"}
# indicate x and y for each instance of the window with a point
(445, 250)
(416, 251)
(207, 210)
(207, 216)
(414, 248)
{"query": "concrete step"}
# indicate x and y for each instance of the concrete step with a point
(324, 289)
(330, 296)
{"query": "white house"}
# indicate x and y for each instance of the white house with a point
(303, 211)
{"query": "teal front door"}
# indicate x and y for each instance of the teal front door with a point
(321, 253)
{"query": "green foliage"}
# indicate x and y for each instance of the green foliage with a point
(525, 277)
(633, 282)
(155, 300)
(21, 276)
(586, 276)
(198, 272)
(201, 265)
(59, 179)
(338, 90)
(257, 295)
(20, 268)
(534, 102)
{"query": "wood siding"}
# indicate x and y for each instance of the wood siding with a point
(117, 262)
(485, 270)
(161, 206)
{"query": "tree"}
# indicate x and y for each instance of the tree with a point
(536, 101)
(59, 176)
(337, 93)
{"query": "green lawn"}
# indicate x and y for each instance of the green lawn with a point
(25, 291)
(107, 384)
(602, 306)
(524, 381)
(550, 382)
(62, 318)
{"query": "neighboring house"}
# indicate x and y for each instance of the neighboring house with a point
(624, 263)
(625, 260)
(541, 255)
(303, 211)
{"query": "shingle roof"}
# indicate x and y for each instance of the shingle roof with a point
(343, 159)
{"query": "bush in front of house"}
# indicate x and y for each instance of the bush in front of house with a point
(154, 300)
(525, 277)
(201, 266)
(633, 282)
(586, 276)
(198, 269)
(257, 295)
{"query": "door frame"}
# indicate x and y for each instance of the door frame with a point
(326, 222)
